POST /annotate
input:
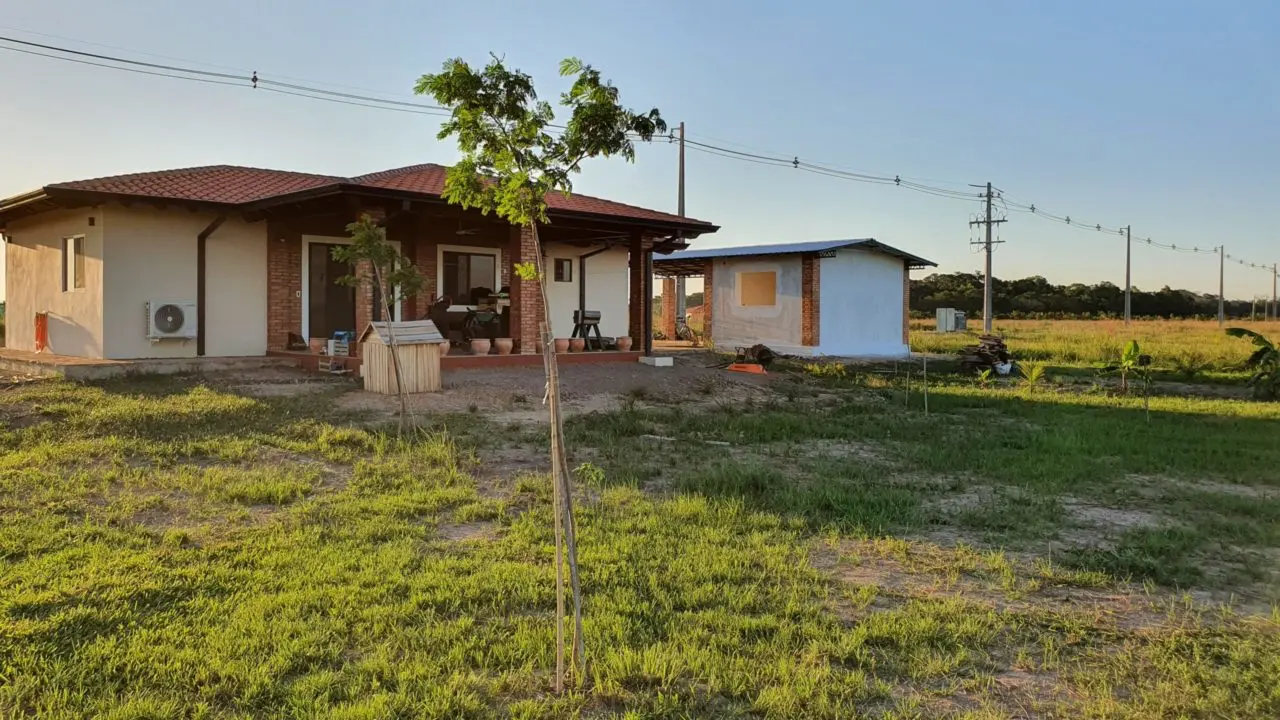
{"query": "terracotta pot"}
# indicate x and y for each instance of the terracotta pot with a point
(480, 346)
(444, 348)
(562, 345)
(577, 344)
(503, 345)
(624, 344)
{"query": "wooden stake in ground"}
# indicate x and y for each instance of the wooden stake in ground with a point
(511, 160)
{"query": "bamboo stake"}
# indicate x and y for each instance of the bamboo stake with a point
(391, 340)
(925, 359)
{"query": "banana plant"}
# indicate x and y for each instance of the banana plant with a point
(1265, 363)
(1133, 362)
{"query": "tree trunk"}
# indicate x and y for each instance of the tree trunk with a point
(562, 495)
(391, 342)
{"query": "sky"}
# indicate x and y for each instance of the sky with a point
(1160, 114)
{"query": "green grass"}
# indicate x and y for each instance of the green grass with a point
(169, 549)
(1186, 349)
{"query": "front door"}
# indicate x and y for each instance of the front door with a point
(330, 307)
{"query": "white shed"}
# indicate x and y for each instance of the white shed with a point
(420, 347)
(848, 298)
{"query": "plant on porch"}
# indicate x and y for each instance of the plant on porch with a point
(377, 263)
(512, 157)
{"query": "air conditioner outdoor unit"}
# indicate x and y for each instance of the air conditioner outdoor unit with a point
(171, 320)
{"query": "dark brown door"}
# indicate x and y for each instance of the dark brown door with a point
(331, 307)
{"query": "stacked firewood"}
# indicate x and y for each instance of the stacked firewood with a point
(989, 354)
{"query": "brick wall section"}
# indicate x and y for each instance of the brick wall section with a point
(526, 299)
(906, 304)
(708, 284)
(810, 293)
(635, 300)
(284, 285)
(668, 326)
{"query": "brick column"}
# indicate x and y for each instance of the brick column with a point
(668, 326)
(526, 300)
(635, 297)
(810, 292)
(708, 284)
(906, 304)
(284, 285)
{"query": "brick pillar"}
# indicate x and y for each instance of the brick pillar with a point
(526, 300)
(810, 292)
(284, 285)
(635, 303)
(906, 304)
(668, 326)
(708, 284)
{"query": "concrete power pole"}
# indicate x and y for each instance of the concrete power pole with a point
(988, 306)
(1222, 263)
(1128, 265)
(1275, 309)
(681, 297)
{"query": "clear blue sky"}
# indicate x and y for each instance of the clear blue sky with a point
(1160, 113)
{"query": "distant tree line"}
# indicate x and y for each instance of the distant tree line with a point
(1035, 297)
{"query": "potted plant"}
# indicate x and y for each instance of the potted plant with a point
(480, 346)
(562, 345)
(503, 346)
(577, 344)
(624, 344)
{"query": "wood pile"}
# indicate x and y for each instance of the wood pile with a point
(989, 352)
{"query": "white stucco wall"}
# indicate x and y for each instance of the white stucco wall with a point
(778, 326)
(151, 257)
(34, 283)
(235, 314)
(607, 283)
(860, 305)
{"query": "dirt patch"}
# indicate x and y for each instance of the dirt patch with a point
(1098, 524)
(514, 395)
(461, 532)
(1157, 485)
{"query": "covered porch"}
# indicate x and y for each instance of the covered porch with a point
(597, 266)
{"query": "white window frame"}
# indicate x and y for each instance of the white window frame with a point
(71, 245)
(555, 262)
(307, 242)
(470, 250)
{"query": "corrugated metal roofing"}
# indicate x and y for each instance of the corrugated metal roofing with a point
(415, 332)
(790, 249)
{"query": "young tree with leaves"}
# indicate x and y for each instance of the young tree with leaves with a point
(377, 263)
(512, 157)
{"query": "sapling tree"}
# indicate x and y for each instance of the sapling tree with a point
(377, 264)
(512, 157)
(1265, 363)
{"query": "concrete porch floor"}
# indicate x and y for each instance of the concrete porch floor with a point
(78, 368)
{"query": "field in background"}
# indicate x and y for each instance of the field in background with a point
(1085, 342)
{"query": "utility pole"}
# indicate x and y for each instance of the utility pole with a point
(1222, 263)
(988, 307)
(1275, 309)
(681, 297)
(1128, 265)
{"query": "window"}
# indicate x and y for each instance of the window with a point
(564, 270)
(462, 272)
(73, 263)
(758, 288)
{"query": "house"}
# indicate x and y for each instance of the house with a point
(235, 261)
(839, 297)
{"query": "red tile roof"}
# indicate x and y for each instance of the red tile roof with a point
(232, 185)
(222, 184)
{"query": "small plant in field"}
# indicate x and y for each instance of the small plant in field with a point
(985, 377)
(1033, 375)
(825, 370)
(1265, 363)
(1190, 364)
(1128, 364)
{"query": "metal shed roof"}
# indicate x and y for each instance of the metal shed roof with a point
(413, 332)
(692, 262)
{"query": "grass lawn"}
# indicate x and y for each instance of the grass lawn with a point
(170, 548)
